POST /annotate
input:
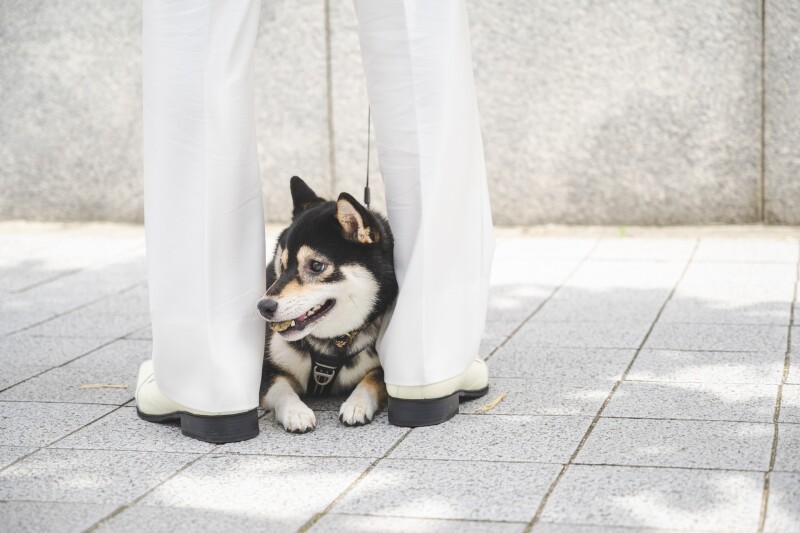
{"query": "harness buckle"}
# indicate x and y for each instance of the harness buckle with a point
(323, 374)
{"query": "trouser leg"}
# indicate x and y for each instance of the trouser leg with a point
(204, 218)
(418, 67)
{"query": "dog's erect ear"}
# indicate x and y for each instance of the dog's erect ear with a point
(358, 224)
(302, 196)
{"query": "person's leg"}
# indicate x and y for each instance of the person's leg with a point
(418, 66)
(204, 218)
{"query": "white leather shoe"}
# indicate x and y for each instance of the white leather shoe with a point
(153, 406)
(427, 405)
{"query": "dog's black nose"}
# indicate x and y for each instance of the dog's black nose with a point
(267, 307)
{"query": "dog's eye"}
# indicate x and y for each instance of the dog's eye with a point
(316, 266)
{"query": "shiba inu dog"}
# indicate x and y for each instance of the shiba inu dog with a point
(330, 283)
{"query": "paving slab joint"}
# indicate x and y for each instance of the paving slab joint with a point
(540, 509)
(777, 412)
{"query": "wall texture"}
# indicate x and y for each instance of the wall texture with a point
(782, 112)
(593, 111)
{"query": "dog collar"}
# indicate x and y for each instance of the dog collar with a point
(343, 340)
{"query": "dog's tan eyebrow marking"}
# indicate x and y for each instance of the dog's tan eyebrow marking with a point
(306, 253)
(284, 258)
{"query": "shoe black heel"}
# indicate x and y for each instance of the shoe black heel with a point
(220, 428)
(418, 413)
(217, 429)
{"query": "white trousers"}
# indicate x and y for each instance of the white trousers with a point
(203, 210)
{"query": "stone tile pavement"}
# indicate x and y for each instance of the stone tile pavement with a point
(645, 382)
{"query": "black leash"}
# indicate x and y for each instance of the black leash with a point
(369, 126)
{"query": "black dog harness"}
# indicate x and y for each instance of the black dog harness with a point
(325, 368)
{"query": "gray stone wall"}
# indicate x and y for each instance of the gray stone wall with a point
(598, 112)
(782, 112)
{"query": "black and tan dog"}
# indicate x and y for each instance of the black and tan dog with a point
(330, 283)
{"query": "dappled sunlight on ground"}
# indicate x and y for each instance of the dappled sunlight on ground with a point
(637, 382)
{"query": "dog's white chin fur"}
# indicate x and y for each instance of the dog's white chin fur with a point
(292, 336)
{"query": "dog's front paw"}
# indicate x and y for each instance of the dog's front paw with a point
(297, 418)
(358, 410)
